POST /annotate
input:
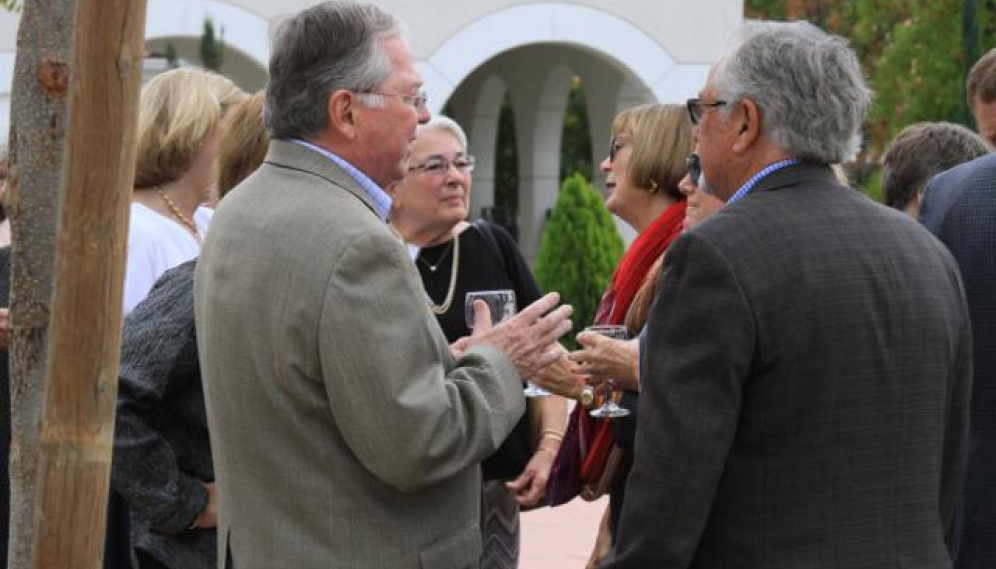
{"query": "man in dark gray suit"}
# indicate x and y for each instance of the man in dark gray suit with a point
(806, 366)
(344, 431)
(959, 207)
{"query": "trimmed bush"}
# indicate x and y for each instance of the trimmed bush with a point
(579, 251)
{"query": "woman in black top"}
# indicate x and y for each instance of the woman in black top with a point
(455, 257)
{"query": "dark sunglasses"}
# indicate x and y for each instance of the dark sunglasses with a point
(694, 168)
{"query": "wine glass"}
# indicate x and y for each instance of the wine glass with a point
(501, 303)
(609, 408)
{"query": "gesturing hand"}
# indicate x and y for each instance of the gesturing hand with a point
(528, 338)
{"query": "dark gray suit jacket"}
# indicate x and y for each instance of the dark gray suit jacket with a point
(161, 446)
(344, 433)
(959, 207)
(805, 389)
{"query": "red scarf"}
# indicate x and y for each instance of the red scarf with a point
(582, 459)
(636, 263)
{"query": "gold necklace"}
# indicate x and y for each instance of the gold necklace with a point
(430, 266)
(179, 214)
(442, 308)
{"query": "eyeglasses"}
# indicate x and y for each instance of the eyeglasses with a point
(614, 147)
(694, 168)
(418, 100)
(696, 107)
(440, 166)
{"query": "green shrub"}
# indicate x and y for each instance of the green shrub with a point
(872, 185)
(579, 251)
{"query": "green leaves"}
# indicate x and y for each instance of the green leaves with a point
(579, 251)
(915, 54)
(212, 47)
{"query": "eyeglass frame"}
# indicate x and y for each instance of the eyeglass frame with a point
(696, 108)
(614, 148)
(444, 165)
(693, 165)
(419, 101)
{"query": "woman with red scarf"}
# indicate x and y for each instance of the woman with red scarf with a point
(646, 162)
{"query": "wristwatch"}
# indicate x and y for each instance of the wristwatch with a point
(587, 397)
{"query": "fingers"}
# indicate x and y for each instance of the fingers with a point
(554, 325)
(588, 340)
(519, 483)
(536, 310)
(530, 497)
(546, 358)
(482, 317)
(525, 489)
(459, 347)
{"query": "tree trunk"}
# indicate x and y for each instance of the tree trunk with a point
(39, 109)
(60, 523)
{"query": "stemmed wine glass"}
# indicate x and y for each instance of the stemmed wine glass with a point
(609, 407)
(502, 306)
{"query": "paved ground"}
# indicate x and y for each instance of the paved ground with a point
(561, 537)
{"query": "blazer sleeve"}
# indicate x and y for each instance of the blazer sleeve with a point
(410, 414)
(695, 357)
(157, 335)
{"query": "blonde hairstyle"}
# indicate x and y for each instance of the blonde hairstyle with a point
(227, 93)
(661, 136)
(177, 111)
(243, 143)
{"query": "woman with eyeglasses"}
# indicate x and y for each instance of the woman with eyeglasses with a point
(601, 357)
(645, 164)
(454, 257)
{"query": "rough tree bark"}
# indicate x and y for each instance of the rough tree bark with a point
(72, 185)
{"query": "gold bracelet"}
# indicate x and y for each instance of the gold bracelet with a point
(552, 433)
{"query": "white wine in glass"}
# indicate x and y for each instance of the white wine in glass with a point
(609, 407)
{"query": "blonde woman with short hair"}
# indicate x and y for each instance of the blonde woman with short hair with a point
(175, 173)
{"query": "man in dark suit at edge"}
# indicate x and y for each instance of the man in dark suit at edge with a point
(806, 386)
(959, 207)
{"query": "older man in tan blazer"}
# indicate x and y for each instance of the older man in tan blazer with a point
(345, 431)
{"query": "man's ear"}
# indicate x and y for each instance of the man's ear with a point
(342, 113)
(750, 125)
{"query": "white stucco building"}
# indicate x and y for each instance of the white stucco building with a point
(471, 54)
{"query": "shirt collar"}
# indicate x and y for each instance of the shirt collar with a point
(381, 200)
(749, 185)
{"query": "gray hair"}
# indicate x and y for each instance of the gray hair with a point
(807, 84)
(444, 124)
(331, 46)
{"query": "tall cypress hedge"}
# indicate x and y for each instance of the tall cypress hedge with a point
(579, 251)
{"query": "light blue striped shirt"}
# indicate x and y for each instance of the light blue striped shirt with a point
(381, 200)
(749, 185)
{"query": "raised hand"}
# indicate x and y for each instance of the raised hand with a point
(527, 338)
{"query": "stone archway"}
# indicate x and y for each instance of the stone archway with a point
(245, 34)
(535, 58)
